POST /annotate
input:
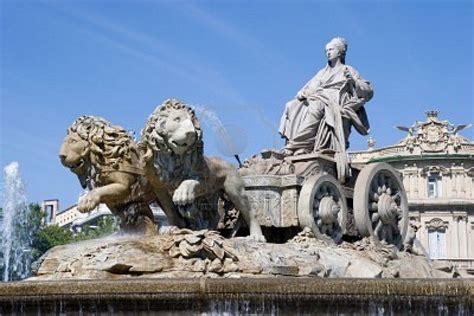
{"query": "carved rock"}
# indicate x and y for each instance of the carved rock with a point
(186, 253)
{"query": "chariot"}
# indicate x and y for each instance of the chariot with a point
(303, 191)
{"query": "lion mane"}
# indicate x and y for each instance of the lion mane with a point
(111, 146)
(171, 169)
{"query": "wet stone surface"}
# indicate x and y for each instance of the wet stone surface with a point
(186, 253)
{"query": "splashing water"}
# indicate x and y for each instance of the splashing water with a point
(16, 240)
(231, 140)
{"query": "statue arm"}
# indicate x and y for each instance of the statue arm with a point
(309, 88)
(363, 87)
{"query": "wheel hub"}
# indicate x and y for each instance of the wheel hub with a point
(328, 210)
(387, 208)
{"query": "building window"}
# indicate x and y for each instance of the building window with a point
(49, 211)
(434, 186)
(437, 244)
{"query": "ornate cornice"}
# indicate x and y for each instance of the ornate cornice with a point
(433, 136)
(470, 172)
(460, 217)
(435, 169)
(436, 224)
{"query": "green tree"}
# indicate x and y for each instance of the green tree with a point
(105, 226)
(54, 235)
(44, 237)
(34, 224)
(50, 236)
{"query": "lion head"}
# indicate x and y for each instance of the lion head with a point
(92, 144)
(172, 139)
(172, 127)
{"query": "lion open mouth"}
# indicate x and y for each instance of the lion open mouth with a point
(75, 166)
(184, 145)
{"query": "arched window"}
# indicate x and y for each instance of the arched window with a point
(437, 238)
(434, 186)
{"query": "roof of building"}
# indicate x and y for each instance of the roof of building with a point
(432, 139)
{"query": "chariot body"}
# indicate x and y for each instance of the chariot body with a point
(294, 192)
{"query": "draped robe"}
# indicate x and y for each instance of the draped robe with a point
(324, 119)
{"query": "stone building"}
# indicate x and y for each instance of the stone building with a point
(50, 207)
(75, 220)
(437, 166)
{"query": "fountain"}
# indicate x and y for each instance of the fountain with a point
(184, 271)
(16, 239)
(338, 236)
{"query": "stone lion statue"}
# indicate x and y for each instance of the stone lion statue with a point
(173, 154)
(107, 162)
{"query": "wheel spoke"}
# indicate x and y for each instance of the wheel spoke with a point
(396, 197)
(378, 227)
(375, 217)
(374, 206)
(375, 197)
(322, 206)
(382, 214)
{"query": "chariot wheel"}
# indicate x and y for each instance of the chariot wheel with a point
(380, 204)
(322, 207)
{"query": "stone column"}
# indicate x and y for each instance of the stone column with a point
(461, 241)
(466, 236)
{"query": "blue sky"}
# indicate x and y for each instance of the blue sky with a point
(241, 60)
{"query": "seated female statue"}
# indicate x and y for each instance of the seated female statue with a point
(325, 109)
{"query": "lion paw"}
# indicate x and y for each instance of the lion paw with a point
(256, 232)
(257, 237)
(186, 192)
(88, 203)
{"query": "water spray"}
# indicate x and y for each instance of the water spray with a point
(16, 240)
(231, 140)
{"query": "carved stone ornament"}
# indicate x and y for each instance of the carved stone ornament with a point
(460, 217)
(429, 170)
(436, 224)
(470, 172)
(434, 135)
(107, 161)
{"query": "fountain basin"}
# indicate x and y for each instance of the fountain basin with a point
(243, 295)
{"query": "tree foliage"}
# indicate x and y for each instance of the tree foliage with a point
(54, 235)
(34, 225)
(50, 236)
(105, 226)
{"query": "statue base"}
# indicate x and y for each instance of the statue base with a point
(182, 253)
(285, 296)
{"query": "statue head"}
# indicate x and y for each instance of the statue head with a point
(172, 127)
(94, 143)
(336, 48)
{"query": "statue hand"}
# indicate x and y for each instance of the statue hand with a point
(348, 74)
(349, 77)
(301, 95)
(89, 202)
(186, 192)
